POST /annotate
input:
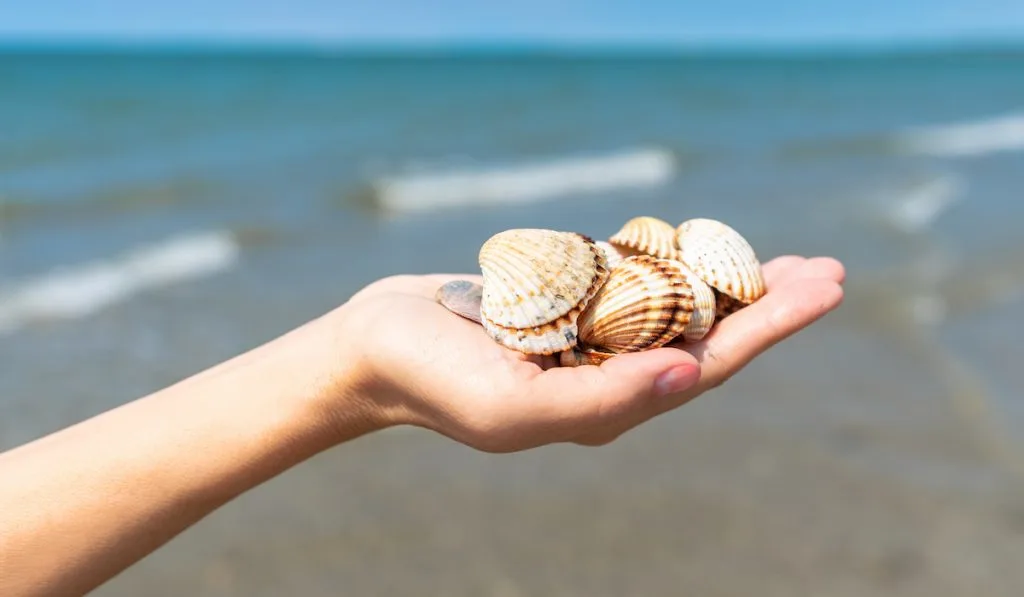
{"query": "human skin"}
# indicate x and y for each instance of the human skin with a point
(79, 506)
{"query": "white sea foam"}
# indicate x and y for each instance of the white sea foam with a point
(81, 290)
(526, 182)
(1004, 133)
(914, 210)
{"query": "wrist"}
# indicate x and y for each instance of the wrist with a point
(343, 394)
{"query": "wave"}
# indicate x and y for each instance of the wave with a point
(973, 138)
(77, 291)
(526, 182)
(914, 210)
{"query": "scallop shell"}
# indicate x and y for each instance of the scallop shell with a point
(614, 254)
(536, 284)
(726, 305)
(722, 258)
(578, 356)
(704, 307)
(645, 304)
(647, 235)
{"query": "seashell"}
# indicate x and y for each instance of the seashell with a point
(579, 356)
(614, 254)
(649, 236)
(461, 297)
(536, 284)
(704, 306)
(726, 305)
(722, 258)
(645, 304)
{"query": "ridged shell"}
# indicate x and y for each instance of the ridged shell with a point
(536, 284)
(725, 305)
(721, 257)
(647, 235)
(577, 357)
(704, 307)
(613, 254)
(645, 304)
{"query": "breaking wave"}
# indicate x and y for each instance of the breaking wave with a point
(77, 291)
(1005, 133)
(525, 182)
(913, 210)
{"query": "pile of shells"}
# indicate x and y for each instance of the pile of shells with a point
(547, 291)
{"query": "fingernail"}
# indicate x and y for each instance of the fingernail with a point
(676, 379)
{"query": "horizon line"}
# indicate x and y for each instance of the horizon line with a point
(198, 43)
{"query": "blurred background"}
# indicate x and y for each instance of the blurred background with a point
(182, 181)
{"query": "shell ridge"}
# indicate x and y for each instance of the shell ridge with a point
(645, 303)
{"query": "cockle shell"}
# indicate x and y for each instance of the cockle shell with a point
(645, 304)
(613, 254)
(722, 258)
(579, 356)
(535, 285)
(705, 308)
(649, 236)
(725, 305)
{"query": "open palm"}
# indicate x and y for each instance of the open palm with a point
(434, 369)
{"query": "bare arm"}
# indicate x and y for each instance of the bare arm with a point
(79, 506)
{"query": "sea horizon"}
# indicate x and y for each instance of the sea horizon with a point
(767, 49)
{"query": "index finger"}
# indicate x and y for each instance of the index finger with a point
(788, 307)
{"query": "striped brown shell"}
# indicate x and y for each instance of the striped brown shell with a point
(647, 235)
(645, 304)
(581, 355)
(725, 305)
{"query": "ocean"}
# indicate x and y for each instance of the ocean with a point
(161, 211)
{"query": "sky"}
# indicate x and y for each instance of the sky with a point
(639, 22)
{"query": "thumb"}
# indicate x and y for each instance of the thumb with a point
(622, 392)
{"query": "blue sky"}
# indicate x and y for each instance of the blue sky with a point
(559, 21)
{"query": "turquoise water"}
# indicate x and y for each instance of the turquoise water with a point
(105, 153)
(860, 157)
(228, 139)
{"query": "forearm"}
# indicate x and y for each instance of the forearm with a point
(79, 506)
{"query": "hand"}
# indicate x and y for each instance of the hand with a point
(423, 365)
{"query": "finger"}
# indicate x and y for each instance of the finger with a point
(777, 269)
(587, 399)
(744, 335)
(743, 344)
(781, 270)
(825, 268)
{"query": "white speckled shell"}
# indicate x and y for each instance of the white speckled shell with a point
(645, 304)
(614, 255)
(722, 258)
(647, 235)
(704, 307)
(536, 283)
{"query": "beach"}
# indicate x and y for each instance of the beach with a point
(163, 211)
